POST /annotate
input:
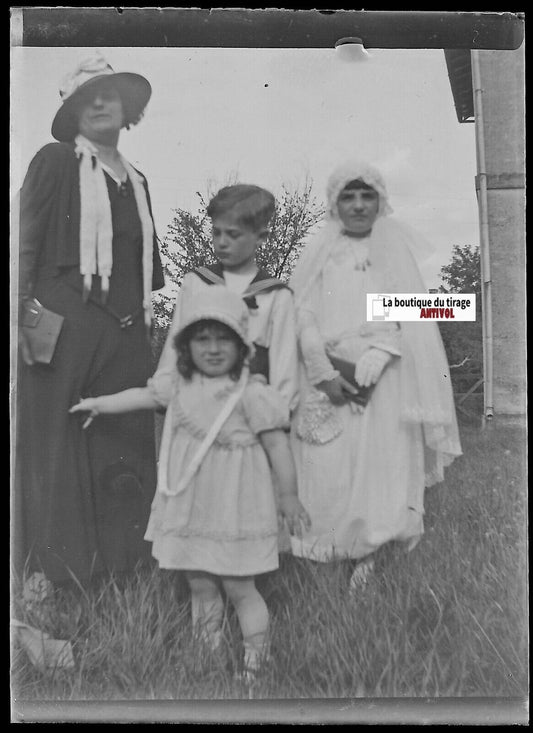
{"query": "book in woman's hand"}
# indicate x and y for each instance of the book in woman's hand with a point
(42, 328)
(347, 370)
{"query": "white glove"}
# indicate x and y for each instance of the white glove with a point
(370, 366)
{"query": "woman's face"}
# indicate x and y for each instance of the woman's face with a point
(100, 114)
(214, 350)
(358, 209)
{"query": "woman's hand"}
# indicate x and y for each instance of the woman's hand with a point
(370, 366)
(336, 389)
(89, 404)
(295, 515)
(24, 348)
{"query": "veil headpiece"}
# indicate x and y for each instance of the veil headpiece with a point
(355, 170)
(315, 254)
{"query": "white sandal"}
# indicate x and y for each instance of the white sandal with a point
(253, 664)
(361, 574)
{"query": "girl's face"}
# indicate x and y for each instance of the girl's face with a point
(234, 243)
(214, 350)
(358, 209)
(100, 113)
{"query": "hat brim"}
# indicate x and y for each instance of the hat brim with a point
(134, 90)
(220, 318)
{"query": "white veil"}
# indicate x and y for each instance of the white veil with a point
(427, 396)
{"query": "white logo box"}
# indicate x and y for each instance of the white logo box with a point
(422, 307)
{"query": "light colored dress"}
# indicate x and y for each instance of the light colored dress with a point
(360, 475)
(225, 521)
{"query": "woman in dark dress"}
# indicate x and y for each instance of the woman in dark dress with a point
(88, 252)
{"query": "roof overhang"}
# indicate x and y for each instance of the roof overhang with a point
(268, 28)
(459, 66)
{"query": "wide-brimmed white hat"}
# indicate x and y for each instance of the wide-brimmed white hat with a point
(134, 90)
(217, 303)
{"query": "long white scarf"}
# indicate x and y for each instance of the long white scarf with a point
(96, 229)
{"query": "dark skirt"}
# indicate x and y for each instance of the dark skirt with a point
(83, 496)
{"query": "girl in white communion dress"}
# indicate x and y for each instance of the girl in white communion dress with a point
(362, 471)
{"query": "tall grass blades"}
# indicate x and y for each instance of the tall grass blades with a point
(446, 619)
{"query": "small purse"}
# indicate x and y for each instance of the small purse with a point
(42, 328)
(318, 422)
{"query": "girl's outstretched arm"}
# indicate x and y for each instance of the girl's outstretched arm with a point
(277, 448)
(136, 398)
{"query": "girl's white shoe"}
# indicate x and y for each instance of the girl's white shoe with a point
(363, 570)
(253, 663)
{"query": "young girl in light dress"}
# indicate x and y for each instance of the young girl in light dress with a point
(214, 514)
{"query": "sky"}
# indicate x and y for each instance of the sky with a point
(275, 117)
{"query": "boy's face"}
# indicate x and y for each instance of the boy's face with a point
(234, 243)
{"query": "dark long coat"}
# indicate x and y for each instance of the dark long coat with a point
(82, 497)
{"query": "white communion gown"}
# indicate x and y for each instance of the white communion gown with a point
(364, 486)
(361, 475)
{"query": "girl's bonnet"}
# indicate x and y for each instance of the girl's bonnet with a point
(355, 170)
(217, 303)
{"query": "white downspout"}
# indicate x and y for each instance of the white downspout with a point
(486, 278)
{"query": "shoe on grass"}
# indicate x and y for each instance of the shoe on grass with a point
(361, 574)
(253, 665)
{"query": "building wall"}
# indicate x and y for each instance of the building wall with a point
(503, 98)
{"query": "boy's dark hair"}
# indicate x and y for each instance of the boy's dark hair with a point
(182, 345)
(253, 205)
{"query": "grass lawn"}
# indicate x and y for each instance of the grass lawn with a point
(447, 619)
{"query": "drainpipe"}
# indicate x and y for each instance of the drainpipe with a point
(486, 278)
